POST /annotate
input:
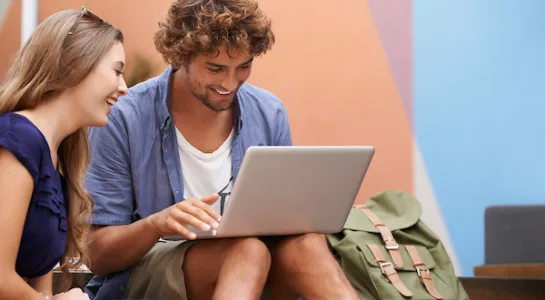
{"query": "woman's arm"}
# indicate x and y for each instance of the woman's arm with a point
(16, 186)
(43, 284)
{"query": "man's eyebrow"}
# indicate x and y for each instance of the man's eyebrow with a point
(224, 66)
(248, 61)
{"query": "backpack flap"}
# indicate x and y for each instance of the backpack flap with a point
(384, 213)
(398, 210)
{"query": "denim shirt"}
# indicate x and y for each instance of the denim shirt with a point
(135, 169)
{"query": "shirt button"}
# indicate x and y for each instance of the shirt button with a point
(177, 192)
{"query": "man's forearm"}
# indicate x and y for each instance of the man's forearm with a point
(115, 248)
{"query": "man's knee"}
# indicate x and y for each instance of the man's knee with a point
(312, 240)
(251, 250)
(305, 244)
(206, 259)
(302, 250)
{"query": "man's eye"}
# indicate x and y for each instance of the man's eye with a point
(214, 70)
(245, 67)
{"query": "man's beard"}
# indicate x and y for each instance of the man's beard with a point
(205, 99)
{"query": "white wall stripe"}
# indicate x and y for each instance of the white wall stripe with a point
(29, 19)
(431, 212)
(4, 5)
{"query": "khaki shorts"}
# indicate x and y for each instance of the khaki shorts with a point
(159, 273)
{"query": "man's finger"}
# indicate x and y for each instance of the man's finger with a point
(211, 199)
(174, 226)
(208, 209)
(199, 213)
(186, 217)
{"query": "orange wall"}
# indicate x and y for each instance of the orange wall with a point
(10, 35)
(329, 69)
(333, 75)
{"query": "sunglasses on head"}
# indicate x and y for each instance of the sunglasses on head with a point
(84, 12)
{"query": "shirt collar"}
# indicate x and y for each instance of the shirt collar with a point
(164, 116)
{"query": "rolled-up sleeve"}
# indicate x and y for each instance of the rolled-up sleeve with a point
(108, 179)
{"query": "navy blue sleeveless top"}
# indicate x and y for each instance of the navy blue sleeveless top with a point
(44, 234)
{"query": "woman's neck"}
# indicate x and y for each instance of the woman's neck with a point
(55, 120)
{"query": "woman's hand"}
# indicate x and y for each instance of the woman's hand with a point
(73, 294)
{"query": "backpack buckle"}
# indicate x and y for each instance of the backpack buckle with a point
(383, 265)
(391, 244)
(420, 270)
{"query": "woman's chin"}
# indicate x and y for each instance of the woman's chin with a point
(99, 122)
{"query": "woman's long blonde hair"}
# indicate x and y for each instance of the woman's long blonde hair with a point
(60, 54)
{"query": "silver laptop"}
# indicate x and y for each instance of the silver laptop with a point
(292, 190)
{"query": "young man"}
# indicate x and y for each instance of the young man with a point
(173, 146)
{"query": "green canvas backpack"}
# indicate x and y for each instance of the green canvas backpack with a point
(387, 252)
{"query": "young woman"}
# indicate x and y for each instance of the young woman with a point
(63, 80)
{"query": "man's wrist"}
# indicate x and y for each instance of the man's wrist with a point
(149, 223)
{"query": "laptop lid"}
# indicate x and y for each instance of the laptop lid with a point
(295, 189)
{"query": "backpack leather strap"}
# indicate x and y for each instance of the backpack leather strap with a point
(423, 272)
(389, 271)
(387, 237)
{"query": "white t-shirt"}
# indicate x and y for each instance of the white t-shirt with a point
(206, 173)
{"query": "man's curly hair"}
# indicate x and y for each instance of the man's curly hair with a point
(195, 27)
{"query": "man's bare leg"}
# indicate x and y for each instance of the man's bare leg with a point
(303, 266)
(226, 269)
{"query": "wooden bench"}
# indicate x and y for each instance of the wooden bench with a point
(493, 288)
(478, 288)
(530, 271)
(80, 279)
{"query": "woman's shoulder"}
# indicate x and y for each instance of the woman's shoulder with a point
(23, 139)
(14, 125)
